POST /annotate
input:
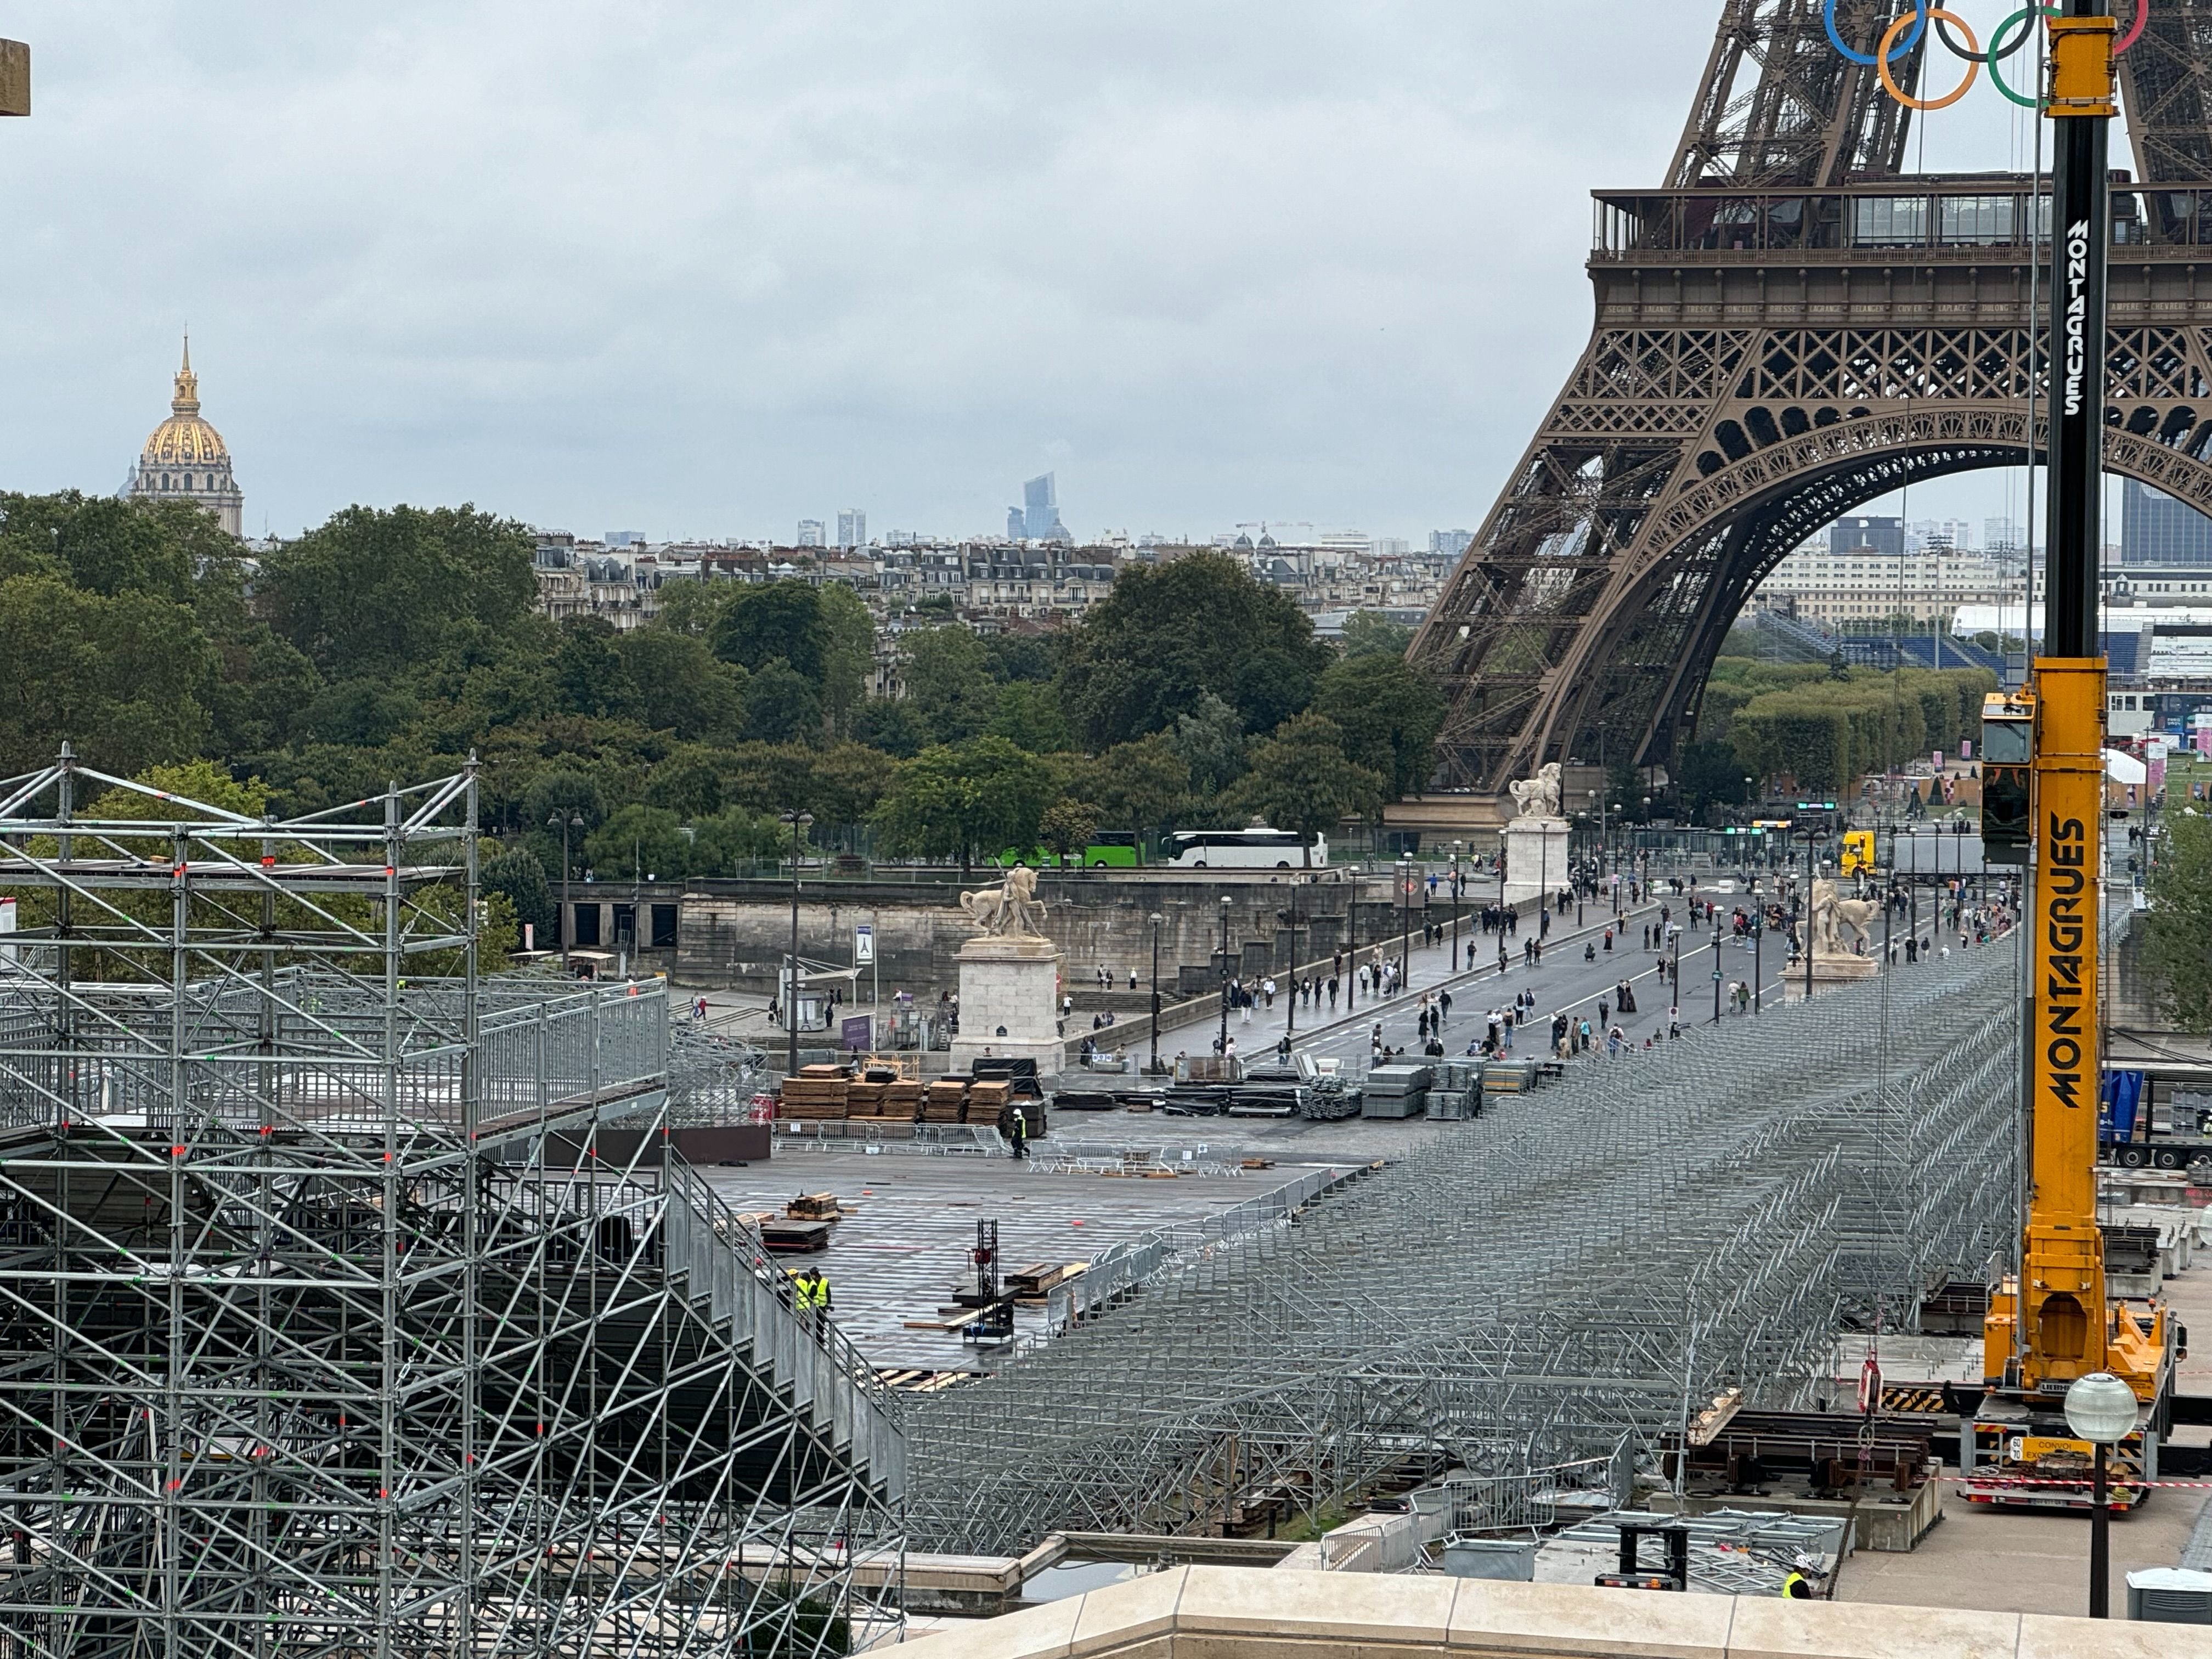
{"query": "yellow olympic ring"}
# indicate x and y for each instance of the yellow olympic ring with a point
(1935, 15)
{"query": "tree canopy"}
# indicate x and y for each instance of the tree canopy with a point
(1168, 635)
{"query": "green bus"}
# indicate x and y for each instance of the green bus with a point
(1109, 850)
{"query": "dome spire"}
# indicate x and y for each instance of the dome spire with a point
(187, 400)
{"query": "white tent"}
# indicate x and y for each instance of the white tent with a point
(2123, 768)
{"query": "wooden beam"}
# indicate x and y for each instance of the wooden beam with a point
(15, 78)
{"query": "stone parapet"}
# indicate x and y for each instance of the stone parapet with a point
(1233, 1612)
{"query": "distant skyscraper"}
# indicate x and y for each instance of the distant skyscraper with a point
(2156, 529)
(624, 539)
(2003, 532)
(1037, 519)
(1450, 543)
(810, 532)
(852, 527)
(1883, 537)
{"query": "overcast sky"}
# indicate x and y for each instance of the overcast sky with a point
(707, 267)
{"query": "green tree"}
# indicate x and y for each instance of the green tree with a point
(638, 840)
(1389, 713)
(1371, 634)
(373, 592)
(1209, 738)
(949, 684)
(1301, 779)
(589, 674)
(517, 873)
(734, 838)
(772, 622)
(1140, 786)
(688, 784)
(2177, 945)
(846, 783)
(890, 725)
(682, 686)
(1067, 826)
(121, 677)
(984, 796)
(781, 704)
(849, 655)
(1169, 634)
(1029, 717)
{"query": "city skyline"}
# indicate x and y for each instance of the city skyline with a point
(580, 270)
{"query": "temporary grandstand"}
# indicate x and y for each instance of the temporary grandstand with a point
(1589, 1265)
(325, 1329)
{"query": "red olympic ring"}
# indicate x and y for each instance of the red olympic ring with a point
(2135, 31)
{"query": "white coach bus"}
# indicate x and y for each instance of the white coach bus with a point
(1241, 849)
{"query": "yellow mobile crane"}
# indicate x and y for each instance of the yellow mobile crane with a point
(2052, 1320)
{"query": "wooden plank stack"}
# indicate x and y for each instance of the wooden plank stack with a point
(815, 1094)
(987, 1099)
(947, 1100)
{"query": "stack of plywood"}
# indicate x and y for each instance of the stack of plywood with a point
(903, 1100)
(866, 1099)
(947, 1100)
(987, 1100)
(811, 1097)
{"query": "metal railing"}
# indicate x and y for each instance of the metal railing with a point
(723, 1258)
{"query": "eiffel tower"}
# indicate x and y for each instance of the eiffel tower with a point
(1791, 327)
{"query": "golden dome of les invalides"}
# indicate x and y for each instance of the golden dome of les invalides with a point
(186, 458)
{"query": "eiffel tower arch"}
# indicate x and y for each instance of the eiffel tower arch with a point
(1790, 327)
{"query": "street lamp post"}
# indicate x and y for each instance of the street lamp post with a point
(1456, 895)
(1224, 976)
(1153, 1068)
(1290, 1009)
(1717, 971)
(1405, 915)
(1574, 875)
(1758, 936)
(798, 821)
(574, 821)
(2100, 1409)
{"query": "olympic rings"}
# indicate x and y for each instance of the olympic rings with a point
(1943, 33)
(1920, 12)
(1997, 53)
(1882, 58)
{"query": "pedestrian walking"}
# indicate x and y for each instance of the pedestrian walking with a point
(1017, 1132)
(1332, 993)
(1444, 1008)
(1268, 987)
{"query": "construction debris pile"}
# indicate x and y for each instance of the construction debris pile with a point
(1602, 1258)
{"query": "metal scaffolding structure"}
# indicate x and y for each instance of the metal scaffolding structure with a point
(1598, 1260)
(318, 1335)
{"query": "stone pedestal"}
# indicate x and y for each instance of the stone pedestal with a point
(1009, 990)
(1830, 972)
(1535, 857)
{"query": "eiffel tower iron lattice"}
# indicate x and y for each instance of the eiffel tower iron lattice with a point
(1791, 327)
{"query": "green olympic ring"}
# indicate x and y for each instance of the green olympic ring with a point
(1999, 51)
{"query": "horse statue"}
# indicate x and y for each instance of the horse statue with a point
(1832, 912)
(1539, 797)
(1011, 910)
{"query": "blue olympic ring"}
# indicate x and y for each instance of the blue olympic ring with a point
(1866, 58)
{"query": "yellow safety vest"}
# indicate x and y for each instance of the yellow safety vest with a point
(1796, 1588)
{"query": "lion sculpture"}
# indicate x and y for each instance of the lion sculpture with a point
(1011, 910)
(1539, 797)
